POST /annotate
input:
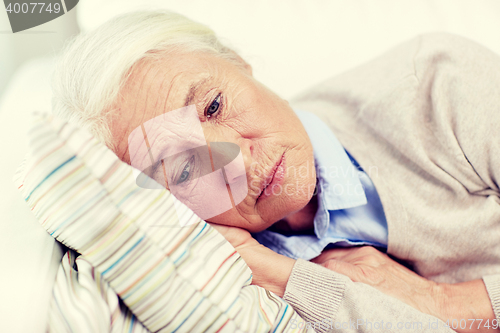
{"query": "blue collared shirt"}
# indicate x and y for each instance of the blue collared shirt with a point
(349, 208)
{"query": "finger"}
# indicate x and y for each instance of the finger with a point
(219, 227)
(339, 254)
(231, 234)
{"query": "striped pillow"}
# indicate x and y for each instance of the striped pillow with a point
(171, 277)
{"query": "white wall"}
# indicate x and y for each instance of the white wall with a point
(44, 40)
(292, 44)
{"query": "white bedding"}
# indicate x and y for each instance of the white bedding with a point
(29, 256)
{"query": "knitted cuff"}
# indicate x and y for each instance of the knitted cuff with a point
(315, 293)
(492, 283)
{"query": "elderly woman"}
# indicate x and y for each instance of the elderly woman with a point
(416, 123)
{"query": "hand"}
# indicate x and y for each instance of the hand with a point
(270, 270)
(467, 300)
(239, 238)
(370, 266)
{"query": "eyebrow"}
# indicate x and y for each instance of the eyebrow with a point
(193, 89)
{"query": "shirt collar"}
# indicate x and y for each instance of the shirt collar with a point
(338, 183)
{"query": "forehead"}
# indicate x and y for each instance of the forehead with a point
(175, 69)
(168, 82)
(152, 79)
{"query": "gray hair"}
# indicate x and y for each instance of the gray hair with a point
(95, 65)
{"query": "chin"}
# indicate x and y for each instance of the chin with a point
(287, 204)
(299, 202)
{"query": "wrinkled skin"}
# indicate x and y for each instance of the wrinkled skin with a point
(246, 113)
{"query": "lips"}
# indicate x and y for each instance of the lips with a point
(274, 179)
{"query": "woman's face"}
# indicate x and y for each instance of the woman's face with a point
(232, 107)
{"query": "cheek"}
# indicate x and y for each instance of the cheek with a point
(300, 182)
(301, 169)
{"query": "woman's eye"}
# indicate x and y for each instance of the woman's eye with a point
(185, 172)
(184, 175)
(213, 109)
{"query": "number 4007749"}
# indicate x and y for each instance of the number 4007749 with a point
(33, 7)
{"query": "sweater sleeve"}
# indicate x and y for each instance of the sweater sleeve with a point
(332, 302)
(424, 115)
(492, 283)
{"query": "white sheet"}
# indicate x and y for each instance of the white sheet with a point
(29, 257)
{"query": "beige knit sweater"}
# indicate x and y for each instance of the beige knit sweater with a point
(423, 121)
